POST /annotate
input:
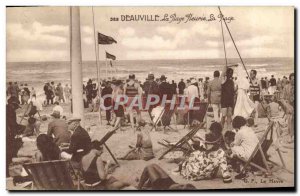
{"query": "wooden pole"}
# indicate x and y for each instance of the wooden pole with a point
(76, 65)
(106, 76)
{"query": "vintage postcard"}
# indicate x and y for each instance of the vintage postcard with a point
(150, 98)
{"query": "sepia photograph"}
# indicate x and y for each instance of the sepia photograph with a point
(164, 98)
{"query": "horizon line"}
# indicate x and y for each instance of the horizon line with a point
(148, 59)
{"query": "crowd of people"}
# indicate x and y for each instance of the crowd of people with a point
(234, 101)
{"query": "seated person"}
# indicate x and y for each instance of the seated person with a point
(143, 149)
(204, 163)
(229, 139)
(273, 109)
(32, 128)
(47, 149)
(80, 143)
(245, 139)
(58, 108)
(95, 171)
(58, 129)
(156, 178)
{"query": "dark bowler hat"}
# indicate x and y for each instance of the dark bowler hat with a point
(163, 77)
(56, 114)
(118, 82)
(131, 76)
(150, 76)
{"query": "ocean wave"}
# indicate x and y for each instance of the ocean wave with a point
(40, 71)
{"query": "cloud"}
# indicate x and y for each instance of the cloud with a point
(154, 42)
(173, 54)
(127, 32)
(37, 55)
(36, 33)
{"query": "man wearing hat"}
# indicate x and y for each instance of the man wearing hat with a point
(133, 91)
(151, 88)
(58, 128)
(165, 88)
(181, 87)
(80, 142)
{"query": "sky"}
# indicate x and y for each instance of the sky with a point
(42, 33)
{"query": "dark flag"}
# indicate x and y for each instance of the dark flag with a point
(110, 56)
(103, 39)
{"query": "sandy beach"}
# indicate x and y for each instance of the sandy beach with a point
(130, 171)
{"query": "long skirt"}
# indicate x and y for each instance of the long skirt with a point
(201, 165)
(244, 106)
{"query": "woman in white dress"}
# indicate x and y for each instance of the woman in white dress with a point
(244, 106)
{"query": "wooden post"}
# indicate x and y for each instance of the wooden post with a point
(76, 64)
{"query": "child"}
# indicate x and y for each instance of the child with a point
(229, 139)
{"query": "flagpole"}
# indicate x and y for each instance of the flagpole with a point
(106, 68)
(98, 74)
(111, 71)
(76, 65)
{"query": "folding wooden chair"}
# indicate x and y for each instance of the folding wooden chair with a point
(104, 139)
(165, 118)
(183, 141)
(52, 175)
(259, 158)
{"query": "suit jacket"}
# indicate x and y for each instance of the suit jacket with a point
(80, 144)
(214, 91)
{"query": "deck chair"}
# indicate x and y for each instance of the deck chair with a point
(103, 141)
(52, 175)
(259, 158)
(165, 118)
(183, 141)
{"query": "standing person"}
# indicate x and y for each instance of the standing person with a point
(89, 91)
(13, 90)
(133, 91)
(26, 94)
(214, 95)
(118, 105)
(174, 87)
(205, 86)
(255, 90)
(201, 88)
(244, 106)
(47, 93)
(165, 90)
(289, 97)
(58, 129)
(107, 91)
(33, 92)
(67, 92)
(272, 85)
(227, 96)
(181, 87)
(192, 94)
(263, 85)
(60, 93)
(151, 88)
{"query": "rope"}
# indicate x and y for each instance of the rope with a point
(224, 43)
(234, 44)
(97, 67)
(238, 54)
(95, 41)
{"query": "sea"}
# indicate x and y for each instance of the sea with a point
(37, 73)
